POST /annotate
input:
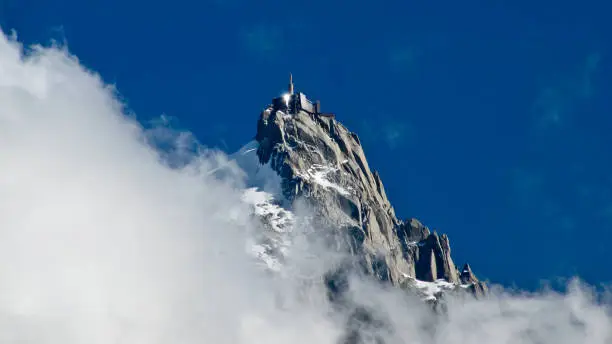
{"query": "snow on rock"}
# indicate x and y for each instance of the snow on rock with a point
(318, 174)
(278, 219)
(269, 243)
(430, 291)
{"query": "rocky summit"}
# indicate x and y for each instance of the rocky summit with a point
(316, 160)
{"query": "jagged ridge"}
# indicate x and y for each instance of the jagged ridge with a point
(319, 160)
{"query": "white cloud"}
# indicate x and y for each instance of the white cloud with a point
(105, 240)
(100, 241)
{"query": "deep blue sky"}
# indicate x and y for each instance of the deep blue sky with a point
(488, 120)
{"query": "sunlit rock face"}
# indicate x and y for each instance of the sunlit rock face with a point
(321, 163)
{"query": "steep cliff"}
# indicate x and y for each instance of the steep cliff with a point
(320, 162)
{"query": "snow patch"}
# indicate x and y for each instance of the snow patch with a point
(428, 290)
(318, 174)
(279, 219)
(271, 244)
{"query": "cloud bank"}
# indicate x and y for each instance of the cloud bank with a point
(106, 239)
(103, 239)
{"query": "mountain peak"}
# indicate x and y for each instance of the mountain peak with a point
(321, 161)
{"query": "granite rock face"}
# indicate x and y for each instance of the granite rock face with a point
(477, 287)
(322, 163)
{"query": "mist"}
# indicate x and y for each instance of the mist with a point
(107, 238)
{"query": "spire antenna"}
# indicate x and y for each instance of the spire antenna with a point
(290, 83)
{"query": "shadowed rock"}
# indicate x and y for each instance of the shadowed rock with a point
(478, 288)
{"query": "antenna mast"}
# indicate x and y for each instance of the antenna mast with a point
(290, 83)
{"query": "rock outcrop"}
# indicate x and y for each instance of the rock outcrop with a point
(323, 163)
(467, 277)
